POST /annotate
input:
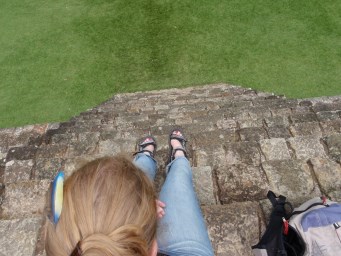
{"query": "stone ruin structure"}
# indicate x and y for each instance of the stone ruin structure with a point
(241, 144)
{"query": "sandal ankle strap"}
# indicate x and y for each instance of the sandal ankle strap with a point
(145, 150)
(178, 149)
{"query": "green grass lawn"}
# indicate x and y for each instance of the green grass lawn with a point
(58, 58)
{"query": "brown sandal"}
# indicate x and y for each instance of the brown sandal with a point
(181, 138)
(144, 142)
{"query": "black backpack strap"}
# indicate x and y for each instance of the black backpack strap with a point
(279, 204)
(272, 240)
(310, 206)
(274, 199)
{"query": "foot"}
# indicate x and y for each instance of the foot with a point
(176, 144)
(147, 146)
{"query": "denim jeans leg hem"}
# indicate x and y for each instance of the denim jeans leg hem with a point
(147, 164)
(172, 162)
(188, 248)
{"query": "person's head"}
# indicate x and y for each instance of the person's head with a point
(109, 208)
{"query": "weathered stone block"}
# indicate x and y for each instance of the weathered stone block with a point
(86, 144)
(161, 107)
(241, 152)
(47, 168)
(327, 106)
(2, 196)
(22, 153)
(306, 129)
(203, 157)
(209, 106)
(240, 104)
(123, 120)
(305, 103)
(328, 174)
(334, 146)
(24, 199)
(328, 115)
(154, 117)
(281, 112)
(331, 127)
(136, 109)
(210, 139)
(125, 126)
(250, 123)
(184, 120)
(191, 129)
(19, 236)
(274, 149)
(64, 138)
(253, 134)
(292, 179)
(278, 132)
(2, 170)
(259, 113)
(335, 195)
(17, 170)
(5, 136)
(52, 151)
(112, 147)
(303, 117)
(209, 157)
(276, 121)
(225, 124)
(277, 103)
(3, 152)
(238, 114)
(307, 147)
(52, 126)
(229, 228)
(96, 128)
(302, 110)
(241, 183)
(203, 184)
(22, 136)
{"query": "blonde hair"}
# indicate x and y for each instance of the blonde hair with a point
(109, 207)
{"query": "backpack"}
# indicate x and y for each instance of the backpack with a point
(313, 229)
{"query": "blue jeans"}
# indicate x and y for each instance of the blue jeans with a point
(182, 231)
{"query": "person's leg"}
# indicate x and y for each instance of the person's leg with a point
(182, 231)
(144, 159)
(147, 164)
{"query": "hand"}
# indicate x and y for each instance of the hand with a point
(160, 209)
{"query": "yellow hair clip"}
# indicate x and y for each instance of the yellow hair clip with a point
(57, 196)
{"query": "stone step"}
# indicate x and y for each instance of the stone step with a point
(19, 236)
(240, 142)
(184, 96)
(235, 227)
(24, 199)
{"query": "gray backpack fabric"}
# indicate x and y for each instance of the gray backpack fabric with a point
(319, 225)
(313, 229)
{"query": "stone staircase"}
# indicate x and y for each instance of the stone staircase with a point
(241, 143)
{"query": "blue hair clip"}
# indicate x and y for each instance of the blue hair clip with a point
(57, 196)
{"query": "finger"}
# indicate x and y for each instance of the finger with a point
(160, 211)
(160, 203)
(160, 215)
